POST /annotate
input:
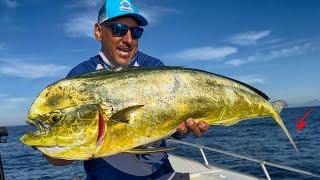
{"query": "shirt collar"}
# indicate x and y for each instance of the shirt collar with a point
(105, 60)
(109, 64)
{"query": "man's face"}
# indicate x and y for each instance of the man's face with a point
(119, 50)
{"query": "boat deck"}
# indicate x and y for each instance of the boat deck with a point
(203, 172)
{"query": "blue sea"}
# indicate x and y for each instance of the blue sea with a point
(258, 138)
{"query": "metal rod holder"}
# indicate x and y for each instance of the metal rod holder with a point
(3, 134)
(1, 170)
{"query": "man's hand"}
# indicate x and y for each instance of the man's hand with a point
(190, 125)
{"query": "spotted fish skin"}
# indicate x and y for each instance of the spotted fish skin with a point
(104, 113)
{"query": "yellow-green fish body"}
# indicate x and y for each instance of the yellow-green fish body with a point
(104, 113)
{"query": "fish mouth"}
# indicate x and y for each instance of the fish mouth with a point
(41, 127)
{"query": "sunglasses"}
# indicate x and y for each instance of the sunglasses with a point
(120, 30)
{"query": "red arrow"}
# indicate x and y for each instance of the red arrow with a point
(302, 122)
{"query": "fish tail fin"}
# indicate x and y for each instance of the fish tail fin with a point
(279, 121)
(279, 105)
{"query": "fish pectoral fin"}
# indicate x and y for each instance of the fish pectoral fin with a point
(123, 115)
(149, 150)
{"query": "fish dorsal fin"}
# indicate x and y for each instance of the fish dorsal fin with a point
(124, 114)
(149, 150)
(279, 105)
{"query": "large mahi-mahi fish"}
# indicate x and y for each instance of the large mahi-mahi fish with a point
(104, 113)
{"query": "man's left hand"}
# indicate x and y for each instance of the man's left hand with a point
(190, 125)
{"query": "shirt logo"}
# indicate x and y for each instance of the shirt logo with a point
(99, 67)
(136, 64)
(125, 5)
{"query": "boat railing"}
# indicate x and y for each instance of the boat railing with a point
(262, 163)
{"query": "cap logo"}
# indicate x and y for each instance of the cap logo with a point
(125, 5)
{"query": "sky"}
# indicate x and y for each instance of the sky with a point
(270, 44)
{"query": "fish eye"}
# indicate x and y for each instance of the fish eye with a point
(55, 117)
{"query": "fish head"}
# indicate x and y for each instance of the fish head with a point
(63, 118)
(72, 126)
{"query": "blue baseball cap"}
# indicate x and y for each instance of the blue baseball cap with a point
(117, 8)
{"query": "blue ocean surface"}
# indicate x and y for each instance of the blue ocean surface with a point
(258, 138)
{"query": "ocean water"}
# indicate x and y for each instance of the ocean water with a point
(259, 138)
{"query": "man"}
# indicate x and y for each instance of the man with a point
(119, 29)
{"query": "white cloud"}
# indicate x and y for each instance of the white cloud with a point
(154, 14)
(74, 4)
(81, 25)
(286, 52)
(203, 53)
(13, 110)
(2, 46)
(237, 62)
(248, 38)
(31, 71)
(251, 79)
(271, 55)
(2, 95)
(16, 100)
(16, 118)
(11, 3)
(85, 3)
(9, 102)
